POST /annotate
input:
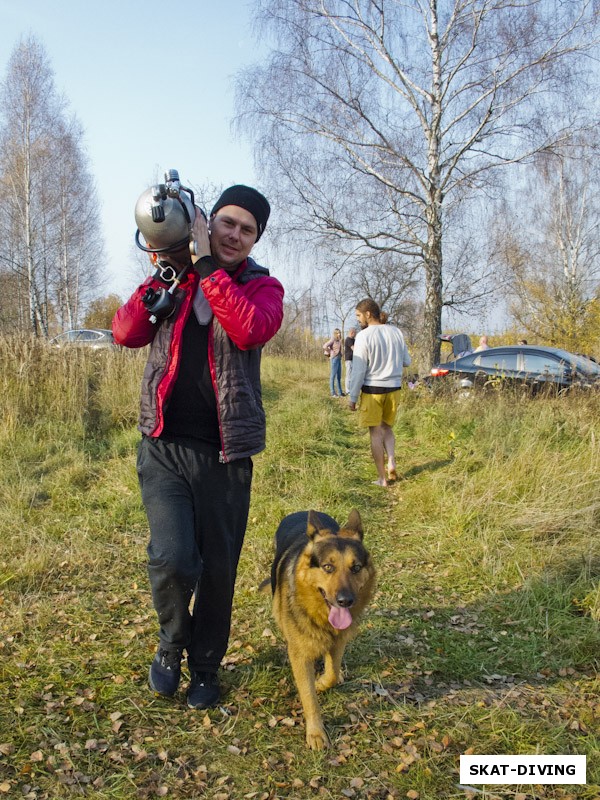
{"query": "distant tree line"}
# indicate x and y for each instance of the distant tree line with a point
(432, 155)
(50, 240)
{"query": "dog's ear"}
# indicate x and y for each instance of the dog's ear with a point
(313, 525)
(354, 524)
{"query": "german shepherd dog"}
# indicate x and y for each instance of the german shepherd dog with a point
(322, 578)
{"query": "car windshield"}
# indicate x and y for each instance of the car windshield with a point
(585, 365)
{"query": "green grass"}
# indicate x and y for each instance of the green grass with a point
(482, 637)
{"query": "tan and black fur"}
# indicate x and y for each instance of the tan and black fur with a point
(320, 572)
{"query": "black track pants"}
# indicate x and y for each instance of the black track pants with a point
(197, 510)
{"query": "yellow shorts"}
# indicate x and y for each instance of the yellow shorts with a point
(377, 408)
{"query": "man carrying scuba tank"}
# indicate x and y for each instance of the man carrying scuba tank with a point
(206, 313)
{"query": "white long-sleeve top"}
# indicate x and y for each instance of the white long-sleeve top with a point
(380, 355)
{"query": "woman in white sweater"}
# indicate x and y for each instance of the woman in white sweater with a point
(380, 355)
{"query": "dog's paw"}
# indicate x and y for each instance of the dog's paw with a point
(325, 682)
(317, 739)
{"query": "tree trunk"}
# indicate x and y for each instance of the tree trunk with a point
(432, 317)
(33, 311)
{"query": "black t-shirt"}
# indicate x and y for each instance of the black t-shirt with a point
(348, 342)
(192, 407)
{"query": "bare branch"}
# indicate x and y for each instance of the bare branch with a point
(383, 119)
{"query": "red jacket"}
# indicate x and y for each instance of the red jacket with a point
(247, 311)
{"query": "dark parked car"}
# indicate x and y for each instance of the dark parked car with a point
(94, 338)
(519, 364)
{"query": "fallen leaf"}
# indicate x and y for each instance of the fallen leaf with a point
(139, 752)
(381, 691)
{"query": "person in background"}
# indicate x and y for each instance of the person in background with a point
(522, 341)
(201, 420)
(483, 344)
(380, 355)
(348, 353)
(333, 349)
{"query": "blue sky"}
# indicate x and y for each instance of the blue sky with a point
(151, 81)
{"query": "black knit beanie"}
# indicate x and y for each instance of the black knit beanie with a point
(249, 199)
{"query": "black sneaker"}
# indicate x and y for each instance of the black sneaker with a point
(165, 672)
(204, 690)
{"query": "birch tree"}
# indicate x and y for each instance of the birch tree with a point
(78, 240)
(49, 202)
(377, 120)
(30, 108)
(551, 250)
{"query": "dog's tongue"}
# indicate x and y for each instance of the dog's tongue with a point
(340, 618)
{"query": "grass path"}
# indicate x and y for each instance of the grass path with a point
(481, 637)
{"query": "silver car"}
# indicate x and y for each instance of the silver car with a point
(94, 338)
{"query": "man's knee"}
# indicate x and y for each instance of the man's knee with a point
(376, 432)
(174, 566)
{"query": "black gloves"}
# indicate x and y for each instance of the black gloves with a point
(205, 266)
